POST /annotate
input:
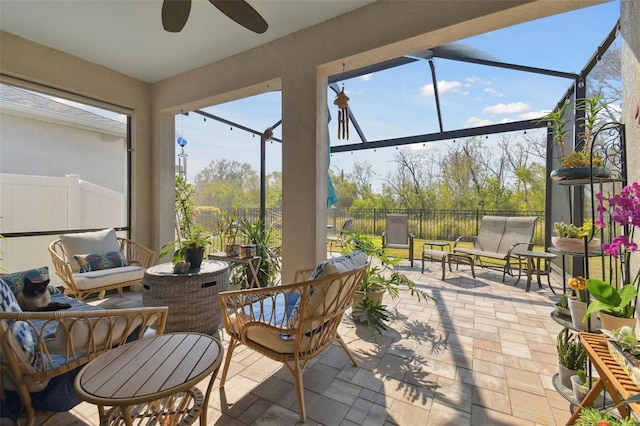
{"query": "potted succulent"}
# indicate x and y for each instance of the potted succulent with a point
(577, 163)
(571, 238)
(571, 356)
(192, 239)
(562, 306)
(380, 279)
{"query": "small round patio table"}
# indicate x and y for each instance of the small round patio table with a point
(152, 379)
(535, 265)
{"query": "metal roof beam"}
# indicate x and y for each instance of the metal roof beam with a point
(434, 137)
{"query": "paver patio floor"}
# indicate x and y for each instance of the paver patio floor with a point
(484, 354)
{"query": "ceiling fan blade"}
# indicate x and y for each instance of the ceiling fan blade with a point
(175, 14)
(242, 12)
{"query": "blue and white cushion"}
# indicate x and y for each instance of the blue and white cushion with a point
(333, 266)
(20, 329)
(15, 280)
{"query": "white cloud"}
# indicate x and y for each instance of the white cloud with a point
(366, 77)
(444, 87)
(504, 109)
(494, 92)
(476, 122)
(532, 115)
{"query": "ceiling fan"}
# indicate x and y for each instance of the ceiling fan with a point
(176, 12)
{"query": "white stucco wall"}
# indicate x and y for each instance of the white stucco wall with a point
(44, 148)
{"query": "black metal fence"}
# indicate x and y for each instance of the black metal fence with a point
(444, 225)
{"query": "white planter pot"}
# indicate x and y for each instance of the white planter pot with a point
(565, 375)
(578, 309)
(579, 391)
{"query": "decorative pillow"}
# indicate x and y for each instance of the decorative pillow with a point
(15, 280)
(340, 264)
(20, 329)
(99, 242)
(333, 266)
(98, 262)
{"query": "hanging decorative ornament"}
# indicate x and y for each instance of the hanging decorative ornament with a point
(342, 101)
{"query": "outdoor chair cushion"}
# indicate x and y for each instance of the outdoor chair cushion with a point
(332, 266)
(15, 280)
(58, 396)
(98, 242)
(24, 343)
(275, 311)
(340, 264)
(95, 279)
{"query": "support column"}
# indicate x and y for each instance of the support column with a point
(163, 181)
(304, 170)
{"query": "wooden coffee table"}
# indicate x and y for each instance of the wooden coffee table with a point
(144, 379)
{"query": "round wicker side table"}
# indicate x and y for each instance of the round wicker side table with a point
(192, 297)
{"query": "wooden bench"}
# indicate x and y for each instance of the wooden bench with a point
(445, 257)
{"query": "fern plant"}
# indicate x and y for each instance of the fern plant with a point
(379, 277)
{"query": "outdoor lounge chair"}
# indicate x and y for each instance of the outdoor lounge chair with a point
(339, 240)
(294, 323)
(397, 235)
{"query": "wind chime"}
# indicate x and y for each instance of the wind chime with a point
(342, 101)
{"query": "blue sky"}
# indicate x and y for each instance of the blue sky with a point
(399, 102)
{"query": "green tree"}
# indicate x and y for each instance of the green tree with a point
(227, 184)
(407, 185)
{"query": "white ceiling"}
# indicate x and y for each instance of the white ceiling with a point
(127, 36)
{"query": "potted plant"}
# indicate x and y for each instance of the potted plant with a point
(379, 279)
(580, 385)
(265, 240)
(591, 416)
(562, 306)
(229, 229)
(571, 356)
(571, 238)
(580, 162)
(578, 305)
(618, 300)
(192, 239)
(614, 305)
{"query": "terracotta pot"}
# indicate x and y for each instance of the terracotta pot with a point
(375, 297)
(575, 245)
(578, 309)
(610, 322)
